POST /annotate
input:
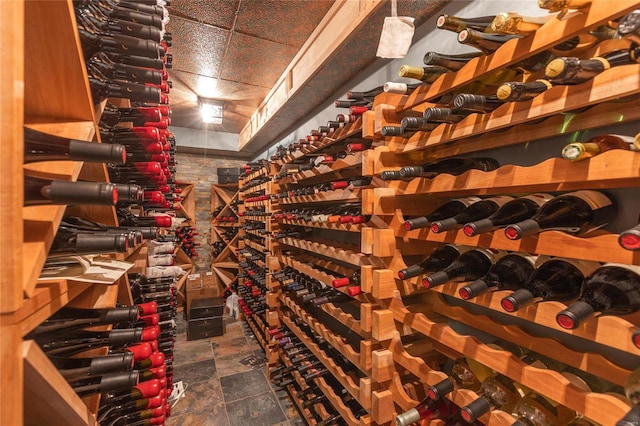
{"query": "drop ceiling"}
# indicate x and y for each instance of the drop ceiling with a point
(236, 50)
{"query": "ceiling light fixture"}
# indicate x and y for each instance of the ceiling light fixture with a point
(211, 110)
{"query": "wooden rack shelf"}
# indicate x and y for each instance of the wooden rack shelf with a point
(325, 172)
(602, 246)
(612, 169)
(342, 195)
(350, 130)
(345, 255)
(613, 331)
(361, 359)
(51, 399)
(548, 383)
(436, 144)
(551, 33)
(347, 227)
(357, 390)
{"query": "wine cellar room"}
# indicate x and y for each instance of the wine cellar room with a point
(320, 212)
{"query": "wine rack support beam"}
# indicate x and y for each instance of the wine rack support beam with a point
(11, 181)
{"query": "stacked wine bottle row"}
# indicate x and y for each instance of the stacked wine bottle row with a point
(134, 378)
(428, 209)
(71, 185)
(547, 242)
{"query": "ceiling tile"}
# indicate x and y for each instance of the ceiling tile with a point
(255, 61)
(266, 18)
(220, 13)
(197, 48)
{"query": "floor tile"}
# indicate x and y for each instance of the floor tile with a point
(235, 346)
(200, 396)
(200, 371)
(232, 364)
(260, 410)
(242, 385)
(193, 351)
(212, 416)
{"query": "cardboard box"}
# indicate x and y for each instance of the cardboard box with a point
(194, 281)
(202, 328)
(209, 280)
(200, 293)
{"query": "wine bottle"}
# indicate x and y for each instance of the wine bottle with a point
(629, 26)
(93, 44)
(515, 23)
(554, 279)
(69, 317)
(446, 210)
(105, 383)
(478, 103)
(452, 166)
(630, 239)
(97, 23)
(517, 91)
(445, 115)
(439, 259)
(100, 64)
(428, 410)
(536, 410)
(469, 266)
(413, 124)
(476, 211)
(450, 62)
(572, 70)
(102, 89)
(510, 272)
(465, 374)
(512, 212)
(352, 94)
(613, 289)
(487, 43)
(427, 74)
(67, 342)
(496, 392)
(457, 24)
(576, 212)
(72, 241)
(39, 146)
(81, 367)
(39, 191)
(399, 88)
(596, 145)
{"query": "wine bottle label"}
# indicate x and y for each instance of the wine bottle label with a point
(514, 23)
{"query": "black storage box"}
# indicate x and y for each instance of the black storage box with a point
(229, 174)
(202, 328)
(222, 179)
(229, 171)
(206, 307)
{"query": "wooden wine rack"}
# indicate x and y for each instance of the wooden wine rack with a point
(32, 390)
(225, 264)
(601, 346)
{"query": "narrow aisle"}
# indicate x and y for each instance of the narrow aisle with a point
(225, 381)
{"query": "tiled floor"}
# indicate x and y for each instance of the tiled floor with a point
(226, 382)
